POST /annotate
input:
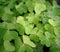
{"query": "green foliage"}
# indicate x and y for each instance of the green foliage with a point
(27, 41)
(28, 25)
(39, 7)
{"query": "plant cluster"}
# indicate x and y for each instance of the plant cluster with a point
(28, 25)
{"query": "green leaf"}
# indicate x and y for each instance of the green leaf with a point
(18, 43)
(11, 4)
(20, 20)
(28, 28)
(49, 28)
(55, 5)
(45, 20)
(20, 29)
(2, 33)
(10, 35)
(40, 27)
(8, 15)
(30, 17)
(54, 49)
(41, 36)
(27, 41)
(33, 19)
(56, 11)
(28, 48)
(48, 6)
(21, 8)
(39, 47)
(34, 38)
(49, 39)
(2, 49)
(8, 46)
(22, 48)
(34, 31)
(57, 30)
(52, 22)
(57, 41)
(31, 4)
(1, 11)
(39, 7)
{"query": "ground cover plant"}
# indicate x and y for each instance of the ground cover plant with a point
(29, 26)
